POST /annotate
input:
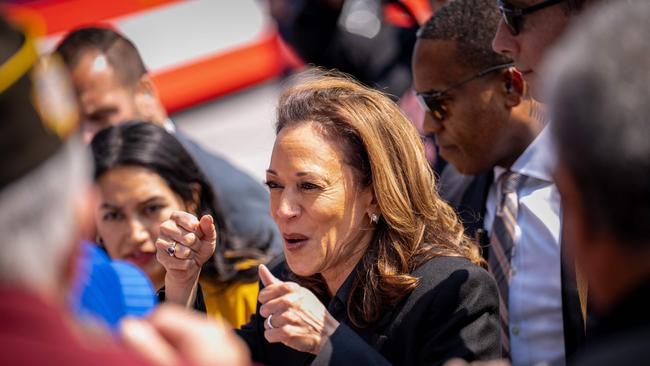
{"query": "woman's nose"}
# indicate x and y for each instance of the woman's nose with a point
(287, 206)
(139, 235)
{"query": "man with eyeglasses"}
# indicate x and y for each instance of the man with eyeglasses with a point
(486, 125)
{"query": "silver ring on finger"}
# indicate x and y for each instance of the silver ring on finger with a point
(171, 250)
(268, 322)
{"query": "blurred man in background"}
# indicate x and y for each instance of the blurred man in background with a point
(600, 102)
(45, 211)
(113, 86)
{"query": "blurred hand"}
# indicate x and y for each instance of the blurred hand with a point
(298, 319)
(193, 244)
(172, 335)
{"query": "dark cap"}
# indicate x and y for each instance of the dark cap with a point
(27, 137)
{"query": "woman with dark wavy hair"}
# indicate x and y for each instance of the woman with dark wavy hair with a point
(378, 270)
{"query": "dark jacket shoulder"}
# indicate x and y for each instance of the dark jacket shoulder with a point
(452, 313)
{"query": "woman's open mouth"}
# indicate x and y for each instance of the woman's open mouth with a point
(294, 241)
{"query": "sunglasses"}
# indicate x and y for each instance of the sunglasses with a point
(433, 102)
(514, 16)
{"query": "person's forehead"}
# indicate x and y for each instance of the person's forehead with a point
(133, 181)
(438, 62)
(308, 149)
(306, 138)
(94, 80)
(93, 70)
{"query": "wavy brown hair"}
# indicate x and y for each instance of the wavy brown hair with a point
(386, 153)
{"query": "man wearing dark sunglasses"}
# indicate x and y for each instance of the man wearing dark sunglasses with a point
(529, 28)
(485, 124)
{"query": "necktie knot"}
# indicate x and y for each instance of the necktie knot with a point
(510, 181)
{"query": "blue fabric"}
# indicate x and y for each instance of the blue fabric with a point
(110, 290)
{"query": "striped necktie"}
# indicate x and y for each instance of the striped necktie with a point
(502, 246)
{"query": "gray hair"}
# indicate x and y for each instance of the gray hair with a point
(37, 218)
(599, 91)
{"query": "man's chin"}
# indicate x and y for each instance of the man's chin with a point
(534, 89)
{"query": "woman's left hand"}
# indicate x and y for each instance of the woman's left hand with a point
(294, 316)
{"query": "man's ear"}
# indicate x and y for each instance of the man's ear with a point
(513, 87)
(147, 101)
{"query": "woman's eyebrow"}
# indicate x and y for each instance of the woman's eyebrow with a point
(106, 205)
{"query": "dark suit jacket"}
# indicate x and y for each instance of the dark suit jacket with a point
(470, 206)
(622, 337)
(452, 313)
(244, 202)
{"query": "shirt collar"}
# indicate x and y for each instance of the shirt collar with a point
(344, 290)
(338, 303)
(169, 126)
(537, 161)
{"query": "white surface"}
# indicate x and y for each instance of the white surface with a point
(239, 127)
(172, 35)
(187, 31)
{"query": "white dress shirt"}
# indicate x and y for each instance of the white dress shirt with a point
(535, 295)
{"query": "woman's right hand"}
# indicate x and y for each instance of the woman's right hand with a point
(184, 245)
(294, 315)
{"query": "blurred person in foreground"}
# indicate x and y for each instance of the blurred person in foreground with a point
(486, 125)
(144, 174)
(45, 211)
(113, 87)
(377, 268)
(599, 94)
